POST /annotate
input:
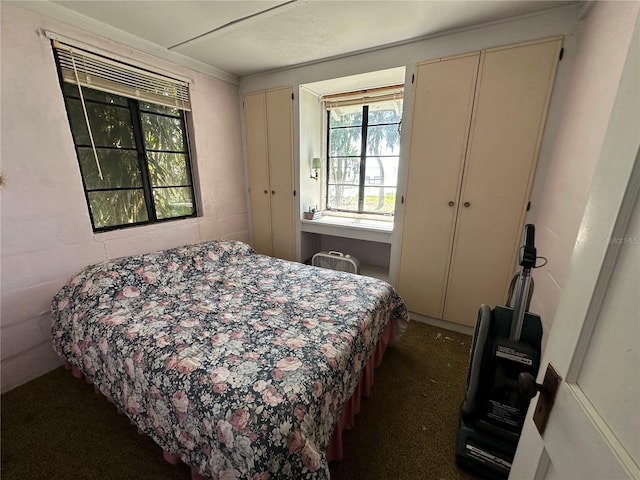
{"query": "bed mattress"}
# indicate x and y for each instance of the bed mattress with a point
(238, 363)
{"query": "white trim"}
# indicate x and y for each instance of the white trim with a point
(436, 322)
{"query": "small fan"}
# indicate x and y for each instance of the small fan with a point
(336, 261)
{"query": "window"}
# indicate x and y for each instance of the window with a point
(363, 145)
(133, 153)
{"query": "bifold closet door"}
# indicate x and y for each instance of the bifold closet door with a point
(255, 121)
(443, 100)
(514, 87)
(280, 147)
(268, 117)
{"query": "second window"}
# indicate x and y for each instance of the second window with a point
(363, 151)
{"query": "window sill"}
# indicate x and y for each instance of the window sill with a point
(363, 229)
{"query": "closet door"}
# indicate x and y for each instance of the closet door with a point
(268, 118)
(514, 87)
(255, 120)
(280, 146)
(443, 99)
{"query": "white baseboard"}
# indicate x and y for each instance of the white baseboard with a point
(454, 327)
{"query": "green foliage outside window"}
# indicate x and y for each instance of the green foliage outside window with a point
(142, 155)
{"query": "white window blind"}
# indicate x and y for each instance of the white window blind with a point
(101, 73)
(363, 97)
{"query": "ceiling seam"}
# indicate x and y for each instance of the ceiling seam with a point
(229, 24)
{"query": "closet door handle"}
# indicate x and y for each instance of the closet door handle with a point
(266, 191)
(273, 192)
(467, 204)
(452, 203)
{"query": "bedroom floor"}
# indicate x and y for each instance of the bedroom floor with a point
(55, 427)
(407, 428)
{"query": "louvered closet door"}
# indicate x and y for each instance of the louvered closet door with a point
(443, 99)
(280, 146)
(255, 119)
(514, 86)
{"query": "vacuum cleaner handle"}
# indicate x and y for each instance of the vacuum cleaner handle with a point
(528, 255)
(528, 252)
(529, 234)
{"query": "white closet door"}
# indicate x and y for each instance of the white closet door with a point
(255, 121)
(514, 87)
(443, 100)
(280, 146)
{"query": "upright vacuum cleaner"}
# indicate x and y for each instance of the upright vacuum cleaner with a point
(506, 342)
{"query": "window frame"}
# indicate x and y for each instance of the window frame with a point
(142, 152)
(362, 164)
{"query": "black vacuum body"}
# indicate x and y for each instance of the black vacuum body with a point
(506, 342)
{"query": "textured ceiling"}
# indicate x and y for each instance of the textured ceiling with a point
(250, 37)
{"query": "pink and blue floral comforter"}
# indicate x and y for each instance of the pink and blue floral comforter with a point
(238, 363)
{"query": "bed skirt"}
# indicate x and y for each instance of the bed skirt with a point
(334, 450)
(352, 407)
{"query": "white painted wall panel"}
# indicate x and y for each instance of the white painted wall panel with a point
(25, 335)
(601, 48)
(23, 303)
(29, 364)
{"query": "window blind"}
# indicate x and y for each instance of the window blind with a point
(363, 97)
(101, 73)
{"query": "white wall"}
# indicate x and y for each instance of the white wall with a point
(310, 146)
(602, 45)
(45, 228)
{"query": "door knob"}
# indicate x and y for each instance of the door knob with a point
(452, 203)
(467, 204)
(266, 191)
(527, 385)
(273, 192)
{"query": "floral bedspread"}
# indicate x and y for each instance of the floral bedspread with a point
(238, 363)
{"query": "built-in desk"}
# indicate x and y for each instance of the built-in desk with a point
(367, 240)
(360, 229)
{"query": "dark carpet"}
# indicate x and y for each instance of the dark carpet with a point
(55, 427)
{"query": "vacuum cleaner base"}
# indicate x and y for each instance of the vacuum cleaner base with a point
(483, 454)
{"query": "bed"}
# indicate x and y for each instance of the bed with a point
(238, 364)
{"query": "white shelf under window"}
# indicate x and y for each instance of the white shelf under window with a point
(359, 228)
